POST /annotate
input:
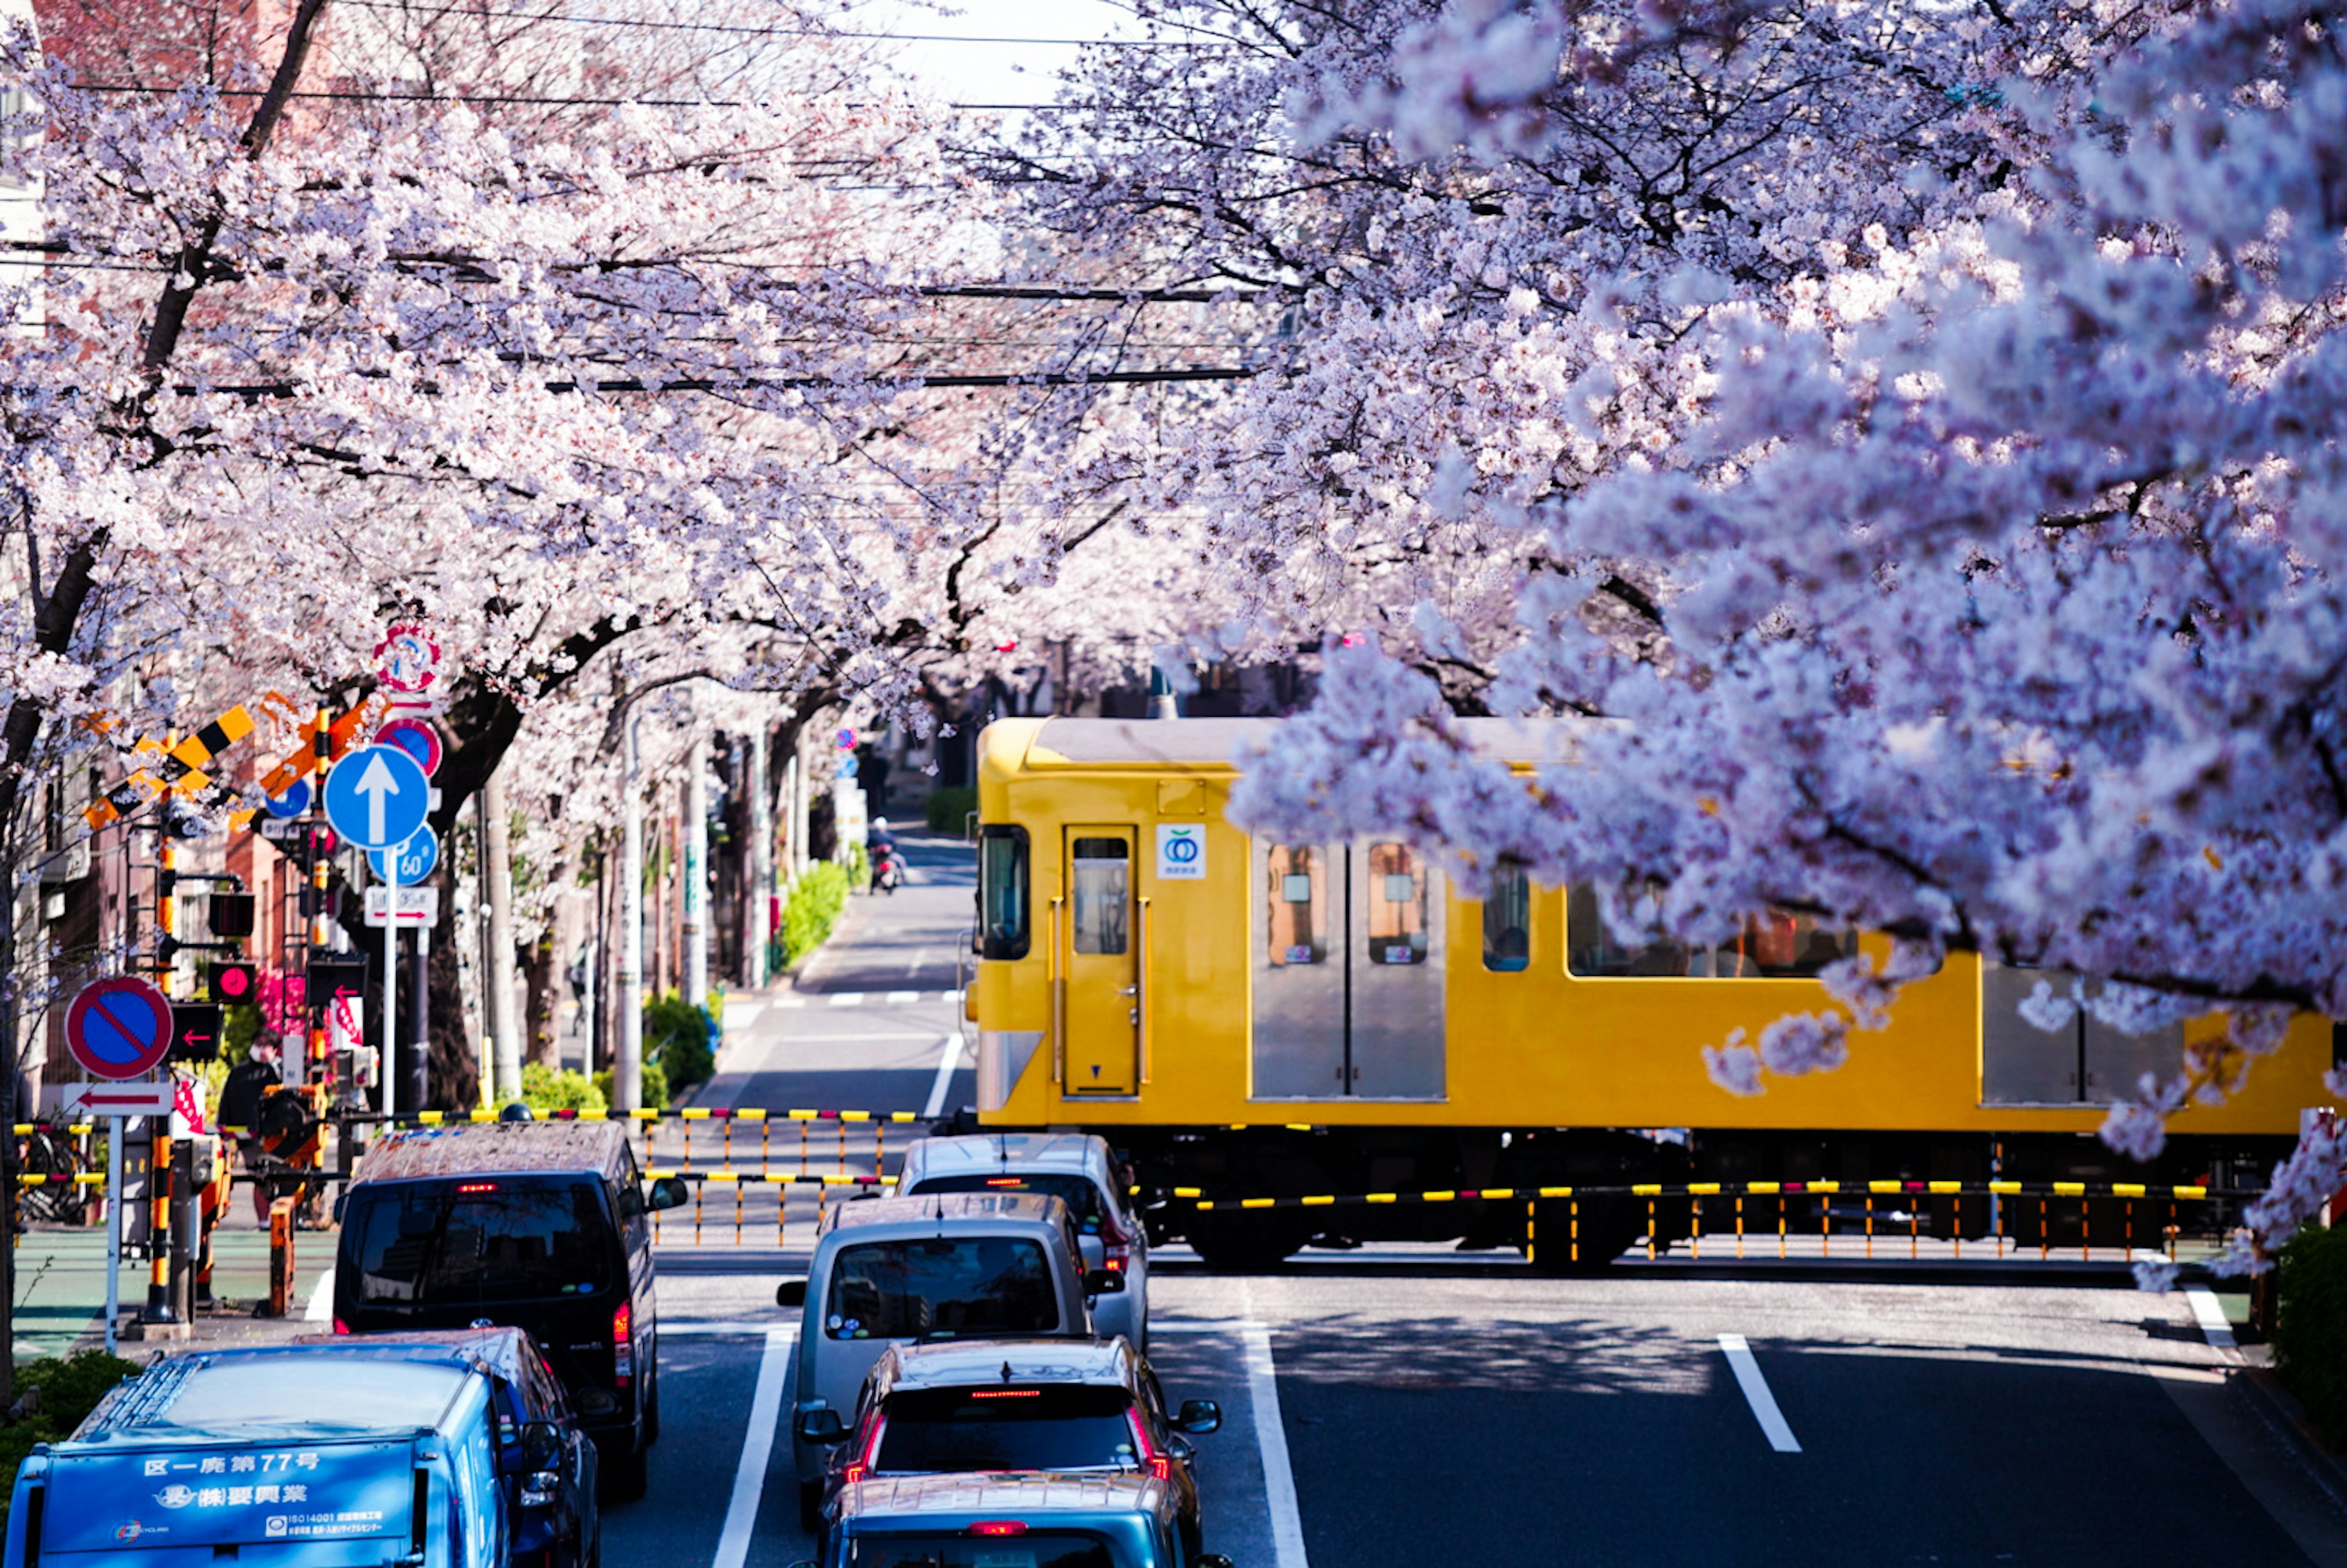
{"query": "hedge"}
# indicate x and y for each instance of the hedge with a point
(816, 903)
(2310, 1336)
(680, 1038)
(545, 1089)
(652, 1081)
(950, 808)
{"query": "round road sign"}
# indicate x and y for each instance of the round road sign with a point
(292, 803)
(416, 857)
(118, 1028)
(376, 797)
(417, 738)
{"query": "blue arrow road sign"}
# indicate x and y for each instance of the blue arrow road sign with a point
(417, 856)
(376, 797)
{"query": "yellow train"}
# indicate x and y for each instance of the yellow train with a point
(1255, 1017)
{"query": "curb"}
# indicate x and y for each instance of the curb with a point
(2282, 1414)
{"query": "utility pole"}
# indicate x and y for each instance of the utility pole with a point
(628, 1077)
(496, 848)
(696, 872)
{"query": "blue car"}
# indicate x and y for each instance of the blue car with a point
(289, 1457)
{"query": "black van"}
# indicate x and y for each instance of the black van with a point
(536, 1225)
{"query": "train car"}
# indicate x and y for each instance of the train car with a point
(1253, 1018)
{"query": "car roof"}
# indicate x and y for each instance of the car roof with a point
(970, 1363)
(1027, 1495)
(1073, 1152)
(927, 1210)
(283, 1392)
(493, 1148)
(499, 1348)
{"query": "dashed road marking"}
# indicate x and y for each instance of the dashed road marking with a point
(949, 1059)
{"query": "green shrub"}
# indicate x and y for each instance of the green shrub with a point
(677, 1037)
(950, 808)
(654, 1084)
(2309, 1337)
(545, 1089)
(70, 1389)
(816, 903)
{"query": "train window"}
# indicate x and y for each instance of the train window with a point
(1100, 884)
(1780, 944)
(1002, 891)
(1397, 890)
(1295, 926)
(1508, 922)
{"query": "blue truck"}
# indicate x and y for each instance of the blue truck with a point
(286, 1457)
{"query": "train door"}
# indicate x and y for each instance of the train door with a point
(1347, 972)
(1396, 1002)
(1100, 963)
(1299, 972)
(2085, 1061)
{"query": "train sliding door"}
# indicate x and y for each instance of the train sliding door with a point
(1101, 962)
(1347, 972)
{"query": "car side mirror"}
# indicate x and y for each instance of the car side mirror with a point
(1199, 1417)
(669, 1192)
(1205, 1560)
(1104, 1282)
(791, 1292)
(535, 1447)
(821, 1426)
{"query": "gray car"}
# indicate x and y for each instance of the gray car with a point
(962, 1520)
(1079, 1169)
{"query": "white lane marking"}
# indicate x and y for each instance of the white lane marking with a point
(1271, 1438)
(947, 1062)
(740, 1015)
(1757, 1394)
(897, 999)
(321, 1299)
(789, 1002)
(2209, 1313)
(869, 1034)
(716, 1327)
(757, 1447)
(847, 999)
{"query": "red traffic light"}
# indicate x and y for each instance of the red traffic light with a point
(235, 982)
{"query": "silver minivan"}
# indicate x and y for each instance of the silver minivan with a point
(896, 1271)
(1078, 1168)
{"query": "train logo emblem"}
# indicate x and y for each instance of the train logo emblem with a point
(1180, 852)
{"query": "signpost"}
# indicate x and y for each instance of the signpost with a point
(419, 908)
(377, 798)
(417, 738)
(120, 1028)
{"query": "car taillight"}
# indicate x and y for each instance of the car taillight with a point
(623, 1345)
(341, 1326)
(859, 1467)
(1159, 1463)
(999, 1527)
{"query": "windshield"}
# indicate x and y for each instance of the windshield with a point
(508, 1239)
(940, 1284)
(1037, 1549)
(1055, 1427)
(1077, 1192)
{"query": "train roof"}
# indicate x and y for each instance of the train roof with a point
(1226, 743)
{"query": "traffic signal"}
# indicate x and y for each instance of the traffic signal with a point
(329, 977)
(231, 915)
(195, 1032)
(235, 982)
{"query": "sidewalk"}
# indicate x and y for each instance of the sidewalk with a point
(61, 1290)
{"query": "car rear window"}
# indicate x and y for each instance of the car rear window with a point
(1013, 1427)
(508, 1239)
(940, 1284)
(1082, 1198)
(1035, 1549)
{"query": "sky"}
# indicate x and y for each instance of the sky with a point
(976, 72)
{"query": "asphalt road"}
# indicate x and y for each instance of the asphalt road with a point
(1414, 1407)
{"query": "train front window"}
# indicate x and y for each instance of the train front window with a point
(1397, 898)
(1002, 891)
(1100, 887)
(1508, 922)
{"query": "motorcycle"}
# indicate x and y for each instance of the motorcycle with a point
(888, 871)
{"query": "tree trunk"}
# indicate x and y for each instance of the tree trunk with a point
(496, 849)
(538, 972)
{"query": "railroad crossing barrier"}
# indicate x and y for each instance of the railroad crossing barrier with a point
(2007, 1201)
